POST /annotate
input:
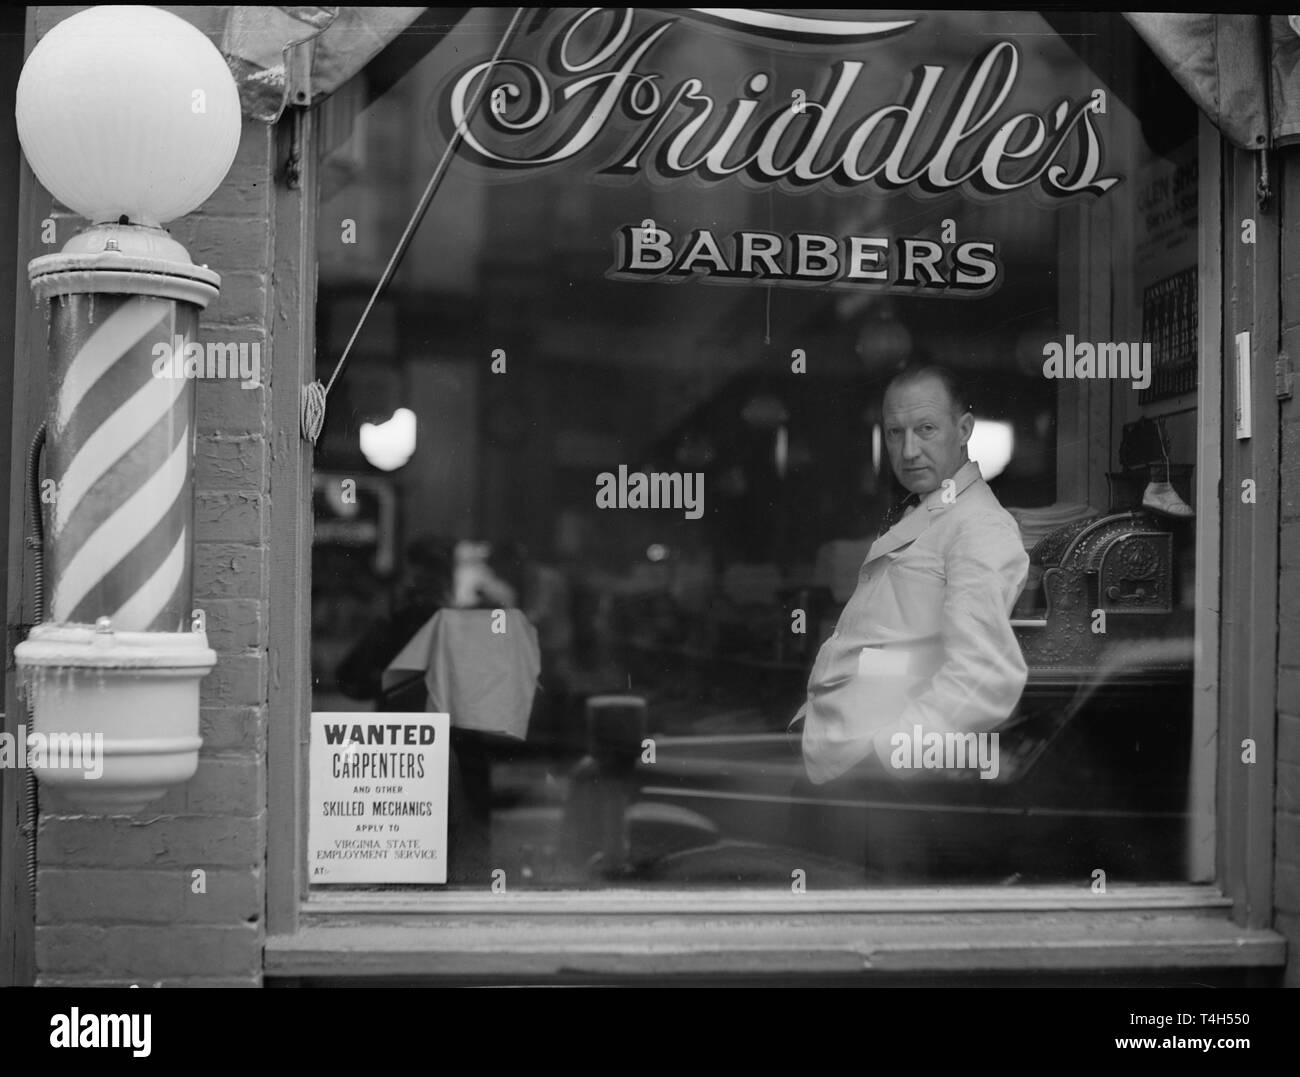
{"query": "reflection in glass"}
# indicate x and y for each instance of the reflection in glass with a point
(676, 624)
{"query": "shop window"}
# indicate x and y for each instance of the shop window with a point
(626, 390)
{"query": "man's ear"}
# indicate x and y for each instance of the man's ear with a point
(966, 426)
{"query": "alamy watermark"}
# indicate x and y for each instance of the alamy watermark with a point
(77, 1029)
(182, 359)
(656, 490)
(1105, 359)
(919, 750)
(54, 751)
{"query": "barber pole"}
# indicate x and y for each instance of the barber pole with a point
(129, 117)
(120, 457)
(117, 655)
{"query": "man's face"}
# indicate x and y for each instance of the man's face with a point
(924, 434)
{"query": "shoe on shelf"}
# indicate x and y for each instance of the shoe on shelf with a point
(1162, 498)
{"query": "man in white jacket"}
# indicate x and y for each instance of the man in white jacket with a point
(924, 647)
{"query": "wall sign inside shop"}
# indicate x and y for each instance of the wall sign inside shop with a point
(378, 798)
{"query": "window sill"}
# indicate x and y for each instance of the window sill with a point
(970, 931)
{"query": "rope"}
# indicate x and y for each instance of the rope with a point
(314, 396)
(313, 410)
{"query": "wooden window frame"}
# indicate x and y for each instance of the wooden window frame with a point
(973, 930)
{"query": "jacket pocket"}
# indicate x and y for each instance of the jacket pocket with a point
(918, 600)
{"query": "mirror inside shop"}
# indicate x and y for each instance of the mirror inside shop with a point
(775, 454)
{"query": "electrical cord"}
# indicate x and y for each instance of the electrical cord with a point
(36, 543)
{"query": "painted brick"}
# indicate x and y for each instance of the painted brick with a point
(235, 625)
(1291, 234)
(233, 728)
(1288, 739)
(214, 329)
(243, 297)
(247, 189)
(224, 243)
(66, 225)
(225, 786)
(226, 407)
(1289, 554)
(233, 462)
(1291, 425)
(1290, 340)
(150, 841)
(107, 896)
(228, 515)
(227, 570)
(1288, 501)
(1288, 787)
(137, 950)
(1289, 558)
(1286, 888)
(1288, 838)
(232, 355)
(228, 897)
(1288, 584)
(1288, 691)
(236, 681)
(1288, 641)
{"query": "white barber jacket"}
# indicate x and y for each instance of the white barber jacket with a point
(925, 640)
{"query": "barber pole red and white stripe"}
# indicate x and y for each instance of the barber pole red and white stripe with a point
(120, 452)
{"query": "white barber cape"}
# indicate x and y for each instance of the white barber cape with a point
(925, 640)
(479, 666)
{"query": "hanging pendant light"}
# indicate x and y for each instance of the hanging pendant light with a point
(883, 340)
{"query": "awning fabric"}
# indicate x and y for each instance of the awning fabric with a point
(344, 39)
(1239, 69)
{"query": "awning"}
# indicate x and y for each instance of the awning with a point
(1239, 69)
(343, 40)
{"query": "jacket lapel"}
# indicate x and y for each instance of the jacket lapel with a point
(909, 528)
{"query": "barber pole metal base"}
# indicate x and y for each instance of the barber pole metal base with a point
(117, 659)
(118, 712)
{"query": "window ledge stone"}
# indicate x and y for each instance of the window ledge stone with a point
(586, 936)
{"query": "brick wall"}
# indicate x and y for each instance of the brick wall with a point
(117, 901)
(1287, 874)
(118, 898)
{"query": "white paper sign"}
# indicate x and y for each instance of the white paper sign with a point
(378, 798)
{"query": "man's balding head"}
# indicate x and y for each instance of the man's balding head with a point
(927, 423)
(952, 384)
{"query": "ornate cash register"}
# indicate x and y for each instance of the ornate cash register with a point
(1102, 625)
(1102, 583)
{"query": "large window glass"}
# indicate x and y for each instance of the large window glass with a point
(628, 388)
